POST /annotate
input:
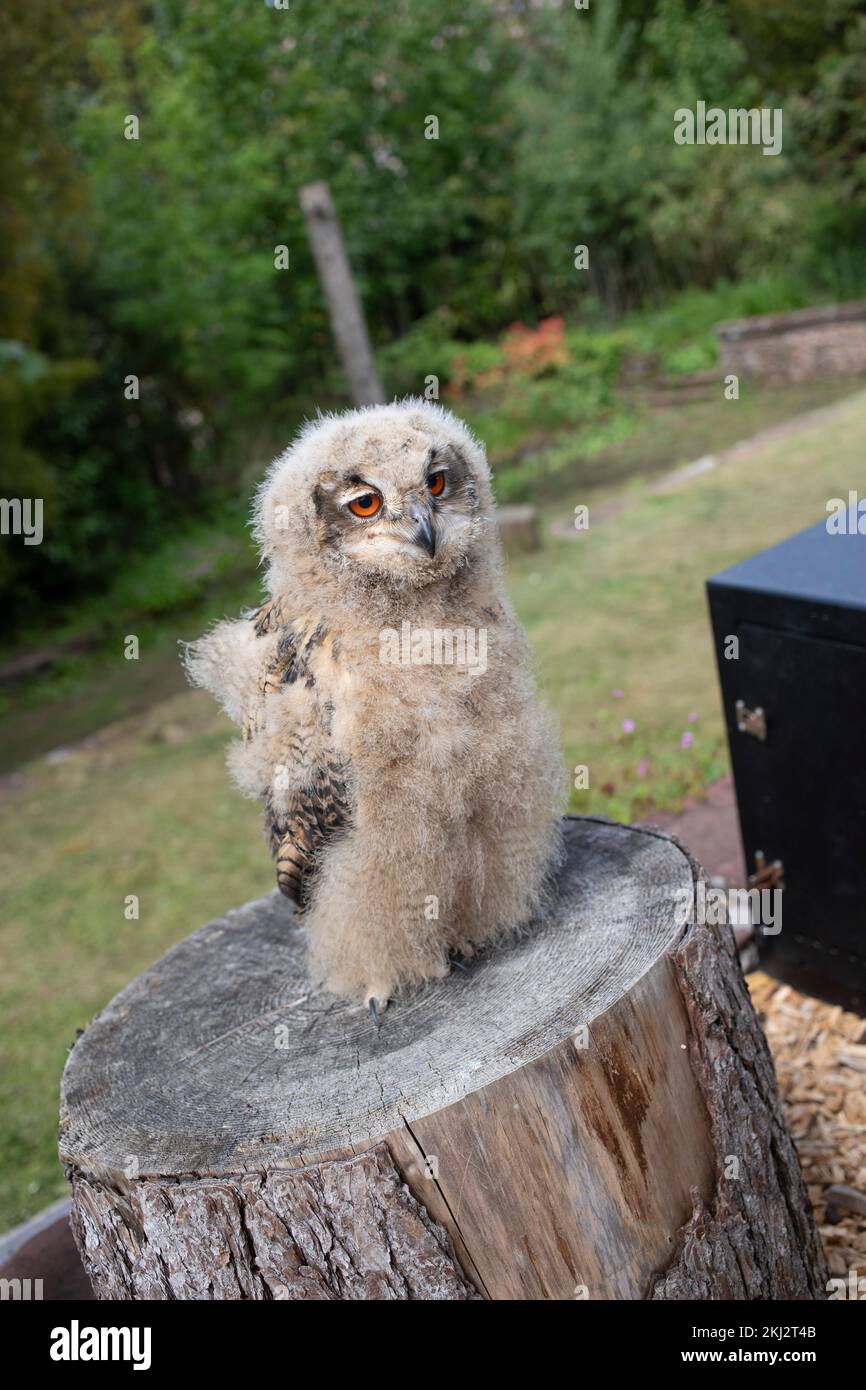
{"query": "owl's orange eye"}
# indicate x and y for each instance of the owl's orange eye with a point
(436, 483)
(366, 505)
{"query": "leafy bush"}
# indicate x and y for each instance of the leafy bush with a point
(155, 256)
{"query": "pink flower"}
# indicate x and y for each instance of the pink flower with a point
(628, 726)
(692, 718)
(617, 694)
(643, 767)
(687, 740)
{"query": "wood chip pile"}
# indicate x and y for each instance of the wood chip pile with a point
(820, 1056)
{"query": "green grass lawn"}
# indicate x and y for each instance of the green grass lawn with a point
(146, 807)
(623, 608)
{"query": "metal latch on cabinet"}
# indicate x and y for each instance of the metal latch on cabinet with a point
(767, 875)
(751, 721)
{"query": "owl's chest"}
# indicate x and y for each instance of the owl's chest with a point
(417, 717)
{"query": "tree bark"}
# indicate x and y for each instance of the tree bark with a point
(344, 306)
(587, 1112)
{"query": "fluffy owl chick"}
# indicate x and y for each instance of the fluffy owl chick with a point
(412, 784)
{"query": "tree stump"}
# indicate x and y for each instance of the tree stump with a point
(588, 1111)
(518, 529)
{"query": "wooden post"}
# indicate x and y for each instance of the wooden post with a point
(344, 306)
(590, 1111)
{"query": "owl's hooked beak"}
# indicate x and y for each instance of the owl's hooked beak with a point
(424, 533)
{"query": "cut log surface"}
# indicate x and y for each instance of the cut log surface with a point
(589, 1111)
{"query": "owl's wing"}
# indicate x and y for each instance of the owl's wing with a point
(270, 616)
(230, 661)
(317, 813)
(318, 807)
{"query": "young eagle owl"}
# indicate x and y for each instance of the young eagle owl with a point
(412, 785)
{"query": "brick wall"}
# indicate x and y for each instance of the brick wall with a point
(797, 347)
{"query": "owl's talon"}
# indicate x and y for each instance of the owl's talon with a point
(377, 1004)
(462, 952)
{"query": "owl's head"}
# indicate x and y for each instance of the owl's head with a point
(396, 495)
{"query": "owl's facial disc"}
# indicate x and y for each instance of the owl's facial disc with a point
(410, 522)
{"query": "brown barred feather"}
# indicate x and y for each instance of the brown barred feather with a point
(321, 809)
(270, 616)
(317, 814)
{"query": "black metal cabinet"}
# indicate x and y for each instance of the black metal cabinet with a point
(794, 691)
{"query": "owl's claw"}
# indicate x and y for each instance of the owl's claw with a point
(377, 1004)
(463, 951)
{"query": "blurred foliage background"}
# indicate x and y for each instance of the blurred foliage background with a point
(155, 256)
